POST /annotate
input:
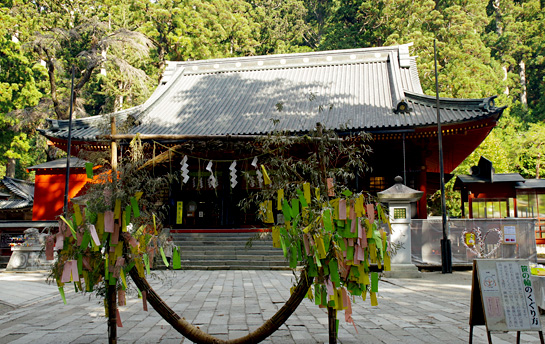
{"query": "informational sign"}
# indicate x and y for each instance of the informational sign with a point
(503, 297)
(509, 234)
(179, 212)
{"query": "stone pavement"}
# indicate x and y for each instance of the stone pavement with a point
(230, 303)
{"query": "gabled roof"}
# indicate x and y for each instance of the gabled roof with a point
(21, 188)
(23, 194)
(484, 173)
(355, 90)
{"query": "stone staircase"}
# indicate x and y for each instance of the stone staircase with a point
(229, 251)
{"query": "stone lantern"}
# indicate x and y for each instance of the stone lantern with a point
(401, 201)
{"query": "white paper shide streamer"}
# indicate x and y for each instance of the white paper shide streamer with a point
(212, 180)
(185, 169)
(258, 172)
(233, 174)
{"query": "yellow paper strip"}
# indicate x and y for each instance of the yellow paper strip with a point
(266, 178)
(306, 192)
(117, 209)
(77, 214)
(280, 199)
(374, 301)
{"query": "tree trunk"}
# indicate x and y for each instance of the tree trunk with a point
(10, 167)
(194, 334)
(523, 95)
(497, 12)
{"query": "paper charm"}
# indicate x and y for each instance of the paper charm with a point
(259, 177)
(212, 180)
(233, 174)
(254, 162)
(185, 170)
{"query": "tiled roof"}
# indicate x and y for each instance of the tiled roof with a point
(59, 163)
(21, 188)
(357, 89)
(15, 204)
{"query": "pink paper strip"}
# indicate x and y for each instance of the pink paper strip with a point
(109, 221)
(49, 245)
(59, 245)
(67, 269)
(115, 237)
(94, 234)
(118, 318)
(353, 225)
(132, 240)
(363, 239)
(342, 209)
(86, 264)
(79, 236)
(370, 213)
(329, 286)
(307, 244)
(118, 266)
(121, 299)
(350, 242)
(75, 273)
(352, 214)
(330, 187)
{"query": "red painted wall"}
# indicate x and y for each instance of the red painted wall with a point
(49, 192)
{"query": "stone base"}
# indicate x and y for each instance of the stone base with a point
(28, 259)
(403, 271)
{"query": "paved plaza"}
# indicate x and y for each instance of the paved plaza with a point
(228, 304)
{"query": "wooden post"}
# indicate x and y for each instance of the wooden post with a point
(331, 312)
(111, 290)
(112, 313)
(332, 323)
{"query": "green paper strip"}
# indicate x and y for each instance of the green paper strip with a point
(131, 265)
(128, 214)
(302, 199)
(312, 270)
(294, 207)
(164, 257)
(89, 169)
(135, 209)
(139, 293)
(286, 210)
(334, 271)
(146, 262)
(80, 264)
(374, 282)
(336, 328)
(106, 271)
(350, 253)
(176, 259)
(112, 281)
(327, 220)
(85, 240)
(61, 291)
(293, 257)
(317, 295)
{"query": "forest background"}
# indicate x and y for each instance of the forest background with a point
(119, 49)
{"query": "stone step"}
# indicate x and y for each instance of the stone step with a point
(209, 250)
(230, 257)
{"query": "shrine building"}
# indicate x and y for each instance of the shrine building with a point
(372, 90)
